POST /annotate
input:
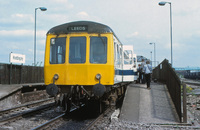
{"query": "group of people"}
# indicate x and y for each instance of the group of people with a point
(145, 70)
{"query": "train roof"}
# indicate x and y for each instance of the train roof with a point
(80, 26)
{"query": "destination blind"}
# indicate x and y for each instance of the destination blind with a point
(81, 28)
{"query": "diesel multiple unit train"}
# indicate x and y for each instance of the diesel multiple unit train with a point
(84, 61)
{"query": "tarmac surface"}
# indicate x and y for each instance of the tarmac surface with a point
(148, 106)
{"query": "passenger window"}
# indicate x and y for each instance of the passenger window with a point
(77, 50)
(134, 59)
(98, 50)
(118, 55)
(115, 52)
(57, 50)
(127, 57)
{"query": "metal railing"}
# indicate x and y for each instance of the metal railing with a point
(18, 74)
(167, 75)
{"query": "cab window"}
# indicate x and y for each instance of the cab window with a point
(57, 50)
(77, 50)
(98, 50)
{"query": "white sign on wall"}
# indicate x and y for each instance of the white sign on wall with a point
(17, 58)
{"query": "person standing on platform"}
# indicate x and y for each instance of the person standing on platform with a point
(148, 71)
(143, 72)
(139, 70)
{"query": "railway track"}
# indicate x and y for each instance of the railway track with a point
(54, 123)
(22, 108)
(49, 124)
(29, 115)
(36, 119)
(31, 118)
(22, 114)
(191, 82)
(63, 121)
(92, 124)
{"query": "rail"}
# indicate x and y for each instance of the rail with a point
(166, 74)
(50, 124)
(92, 123)
(27, 105)
(22, 114)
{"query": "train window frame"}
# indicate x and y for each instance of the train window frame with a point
(115, 52)
(121, 54)
(102, 58)
(134, 60)
(118, 55)
(79, 56)
(57, 52)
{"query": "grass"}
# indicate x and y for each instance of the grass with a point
(188, 89)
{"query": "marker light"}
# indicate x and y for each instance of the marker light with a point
(56, 76)
(98, 76)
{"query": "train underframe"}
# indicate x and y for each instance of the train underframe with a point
(75, 96)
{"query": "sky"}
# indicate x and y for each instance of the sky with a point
(135, 22)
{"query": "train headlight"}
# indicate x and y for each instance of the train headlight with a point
(56, 76)
(98, 76)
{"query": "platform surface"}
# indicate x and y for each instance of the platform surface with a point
(6, 89)
(148, 106)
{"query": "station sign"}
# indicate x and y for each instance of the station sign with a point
(81, 28)
(17, 58)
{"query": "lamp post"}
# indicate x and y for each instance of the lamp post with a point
(162, 4)
(151, 57)
(154, 53)
(42, 9)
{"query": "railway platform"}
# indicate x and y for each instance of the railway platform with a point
(148, 106)
(6, 89)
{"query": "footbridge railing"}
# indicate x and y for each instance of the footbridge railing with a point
(166, 74)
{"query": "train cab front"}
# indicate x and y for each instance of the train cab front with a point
(79, 61)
